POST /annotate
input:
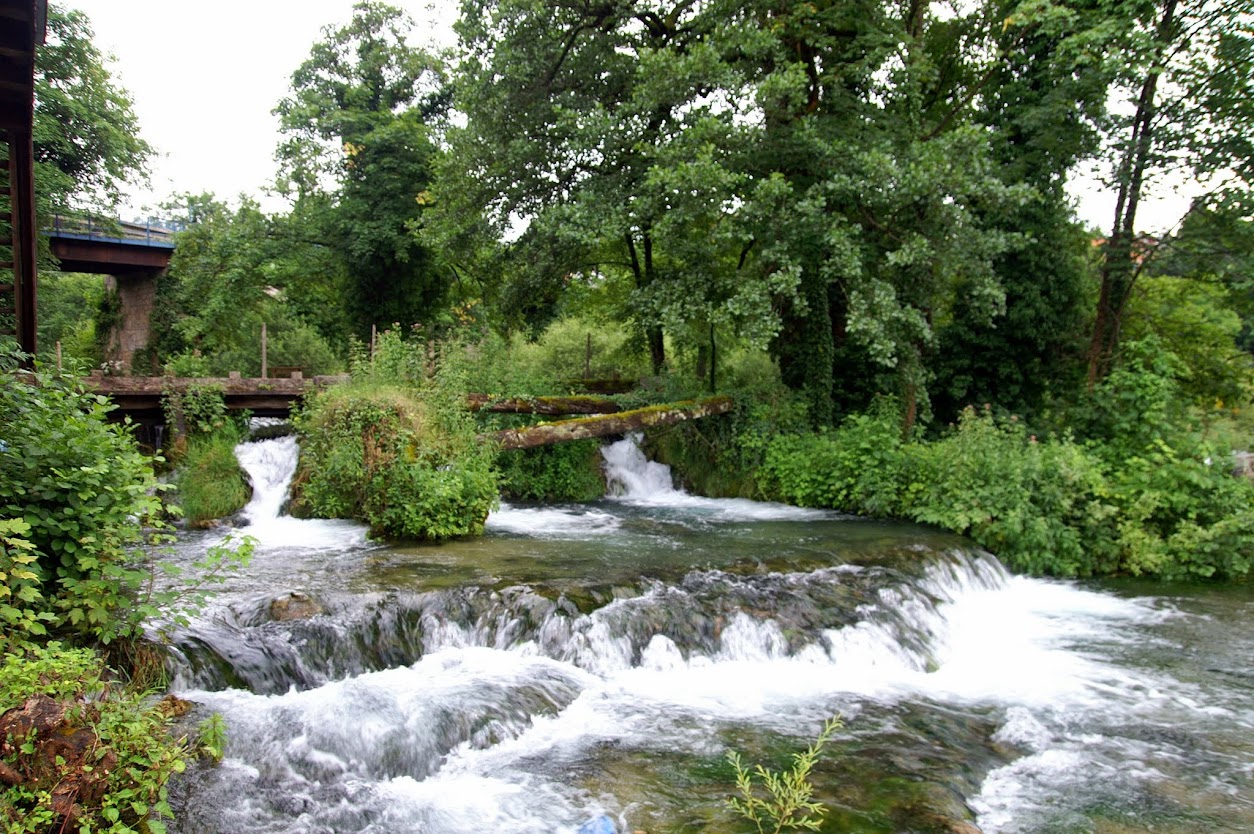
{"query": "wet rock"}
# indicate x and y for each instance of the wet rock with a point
(1243, 465)
(294, 606)
(173, 707)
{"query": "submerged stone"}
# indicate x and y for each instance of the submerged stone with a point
(294, 606)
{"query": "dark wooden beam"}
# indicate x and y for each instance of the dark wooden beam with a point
(22, 198)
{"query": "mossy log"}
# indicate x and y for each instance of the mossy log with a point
(547, 434)
(542, 405)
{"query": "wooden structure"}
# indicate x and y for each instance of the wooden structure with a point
(23, 24)
(139, 397)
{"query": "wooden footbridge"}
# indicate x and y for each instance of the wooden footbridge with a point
(141, 399)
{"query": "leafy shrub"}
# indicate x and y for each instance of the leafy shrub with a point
(296, 343)
(199, 410)
(500, 368)
(188, 365)
(116, 777)
(561, 351)
(1135, 405)
(1182, 514)
(1044, 506)
(856, 468)
(565, 472)
(87, 495)
(19, 588)
(400, 454)
(1036, 504)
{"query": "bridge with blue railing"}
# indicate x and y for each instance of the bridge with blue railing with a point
(110, 247)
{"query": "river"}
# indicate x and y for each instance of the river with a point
(597, 663)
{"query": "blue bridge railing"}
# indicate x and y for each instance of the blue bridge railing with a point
(146, 233)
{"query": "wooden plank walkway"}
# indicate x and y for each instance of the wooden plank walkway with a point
(140, 396)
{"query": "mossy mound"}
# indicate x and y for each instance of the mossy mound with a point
(406, 462)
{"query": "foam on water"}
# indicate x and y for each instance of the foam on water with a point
(472, 736)
(634, 479)
(552, 522)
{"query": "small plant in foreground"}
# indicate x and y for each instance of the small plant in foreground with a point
(211, 737)
(788, 804)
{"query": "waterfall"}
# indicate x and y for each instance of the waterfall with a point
(634, 479)
(270, 465)
(631, 475)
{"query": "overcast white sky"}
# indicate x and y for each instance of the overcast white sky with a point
(204, 77)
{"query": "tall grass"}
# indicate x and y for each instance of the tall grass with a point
(210, 482)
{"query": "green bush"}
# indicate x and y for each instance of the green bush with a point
(396, 449)
(565, 472)
(1182, 514)
(1136, 405)
(210, 482)
(1044, 506)
(857, 467)
(1036, 504)
(20, 598)
(87, 495)
(199, 410)
(561, 351)
(123, 753)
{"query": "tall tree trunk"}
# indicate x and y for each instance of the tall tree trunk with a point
(645, 274)
(1119, 268)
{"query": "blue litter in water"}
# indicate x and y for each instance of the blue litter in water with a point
(598, 825)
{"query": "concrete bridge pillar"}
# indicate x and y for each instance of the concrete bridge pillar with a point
(131, 329)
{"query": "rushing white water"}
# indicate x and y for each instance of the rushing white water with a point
(552, 684)
(635, 479)
(552, 522)
(270, 465)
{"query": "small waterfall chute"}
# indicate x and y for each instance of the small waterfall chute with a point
(634, 479)
(270, 465)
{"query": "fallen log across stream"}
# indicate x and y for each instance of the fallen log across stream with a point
(564, 431)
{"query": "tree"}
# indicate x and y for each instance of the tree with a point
(1189, 82)
(86, 135)
(232, 271)
(358, 157)
(1044, 99)
(587, 125)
